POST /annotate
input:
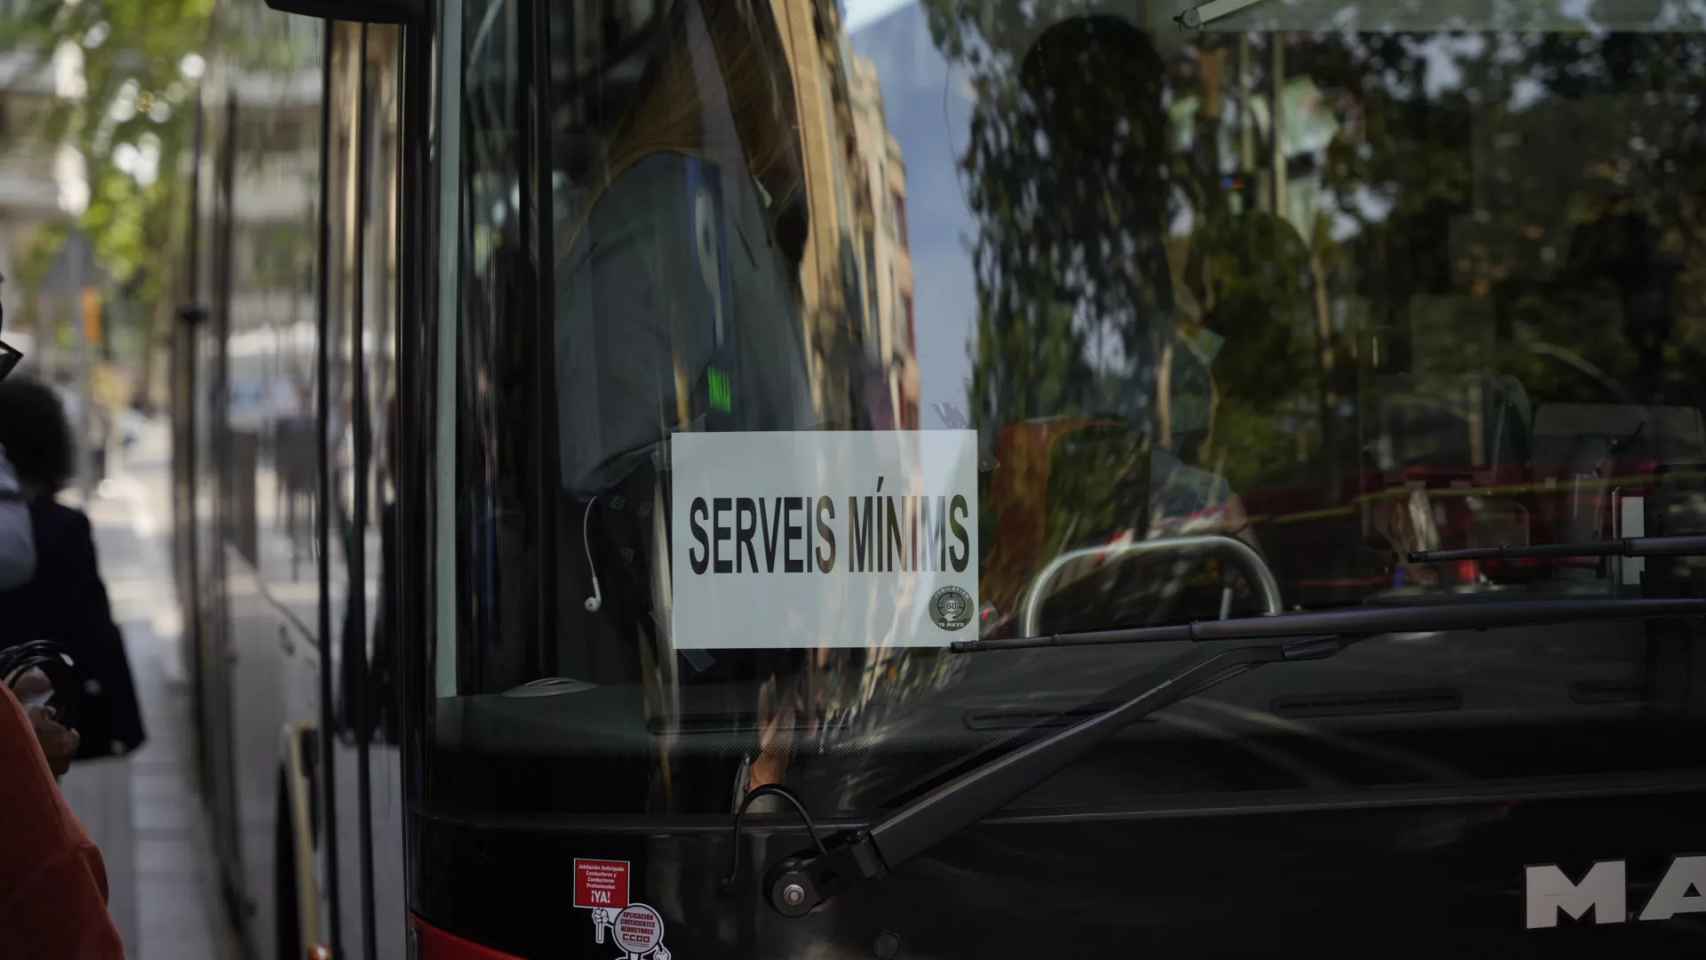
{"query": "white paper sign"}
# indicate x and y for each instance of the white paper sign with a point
(832, 539)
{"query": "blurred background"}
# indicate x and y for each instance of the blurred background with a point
(97, 116)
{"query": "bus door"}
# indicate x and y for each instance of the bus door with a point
(365, 97)
(205, 341)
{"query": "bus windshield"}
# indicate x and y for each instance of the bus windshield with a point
(1192, 325)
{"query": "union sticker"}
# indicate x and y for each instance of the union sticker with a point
(635, 929)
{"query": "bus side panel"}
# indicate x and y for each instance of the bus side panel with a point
(361, 339)
(212, 636)
(267, 257)
(265, 652)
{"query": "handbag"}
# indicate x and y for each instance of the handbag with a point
(65, 681)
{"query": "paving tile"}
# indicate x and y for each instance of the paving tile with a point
(169, 855)
(154, 830)
(98, 792)
(169, 740)
(153, 814)
(171, 904)
(161, 783)
(177, 945)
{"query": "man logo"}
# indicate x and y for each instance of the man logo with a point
(1604, 890)
(950, 607)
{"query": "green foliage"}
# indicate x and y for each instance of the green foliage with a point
(1071, 274)
(1528, 204)
(136, 111)
(1251, 275)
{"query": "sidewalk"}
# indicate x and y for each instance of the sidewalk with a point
(143, 810)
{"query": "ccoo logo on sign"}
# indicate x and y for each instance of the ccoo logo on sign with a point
(950, 608)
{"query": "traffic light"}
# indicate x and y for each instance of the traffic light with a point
(91, 316)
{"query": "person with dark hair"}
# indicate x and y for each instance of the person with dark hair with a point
(37, 435)
(17, 546)
(65, 601)
(53, 883)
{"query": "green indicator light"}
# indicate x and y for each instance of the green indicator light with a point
(721, 400)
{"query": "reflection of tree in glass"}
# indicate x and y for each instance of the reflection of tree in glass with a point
(1075, 176)
(1067, 179)
(1481, 197)
(1553, 177)
(1249, 276)
(141, 65)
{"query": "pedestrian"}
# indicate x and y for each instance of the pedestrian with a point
(65, 601)
(17, 546)
(18, 566)
(53, 883)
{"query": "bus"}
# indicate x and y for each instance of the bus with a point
(844, 478)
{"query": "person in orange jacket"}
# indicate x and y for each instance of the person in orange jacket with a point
(53, 883)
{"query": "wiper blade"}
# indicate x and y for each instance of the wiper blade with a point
(1685, 546)
(797, 884)
(1199, 16)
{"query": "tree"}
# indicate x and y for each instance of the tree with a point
(1078, 184)
(1071, 275)
(127, 105)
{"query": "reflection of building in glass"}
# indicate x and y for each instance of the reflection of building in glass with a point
(811, 32)
(258, 271)
(891, 332)
(856, 275)
(272, 237)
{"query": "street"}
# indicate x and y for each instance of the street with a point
(143, 810)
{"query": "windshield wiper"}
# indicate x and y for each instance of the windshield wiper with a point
(797, 884)
(1203, 14)
(1685, 546)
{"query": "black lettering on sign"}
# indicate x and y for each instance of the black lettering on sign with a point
(699, 558)
(826, 534)
(746, 526)
(893, 548)
(772, 528)
(859, 533)
(957, 510)
(806, 504)
(720, 535)
(792, 531)
(887, 534)
(933, 552)
(912, 523)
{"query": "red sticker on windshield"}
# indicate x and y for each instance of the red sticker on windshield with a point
(601, 883)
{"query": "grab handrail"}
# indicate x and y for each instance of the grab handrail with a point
(1236, 550)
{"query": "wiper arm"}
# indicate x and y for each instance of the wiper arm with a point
(797, 884)
(1685, 546)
